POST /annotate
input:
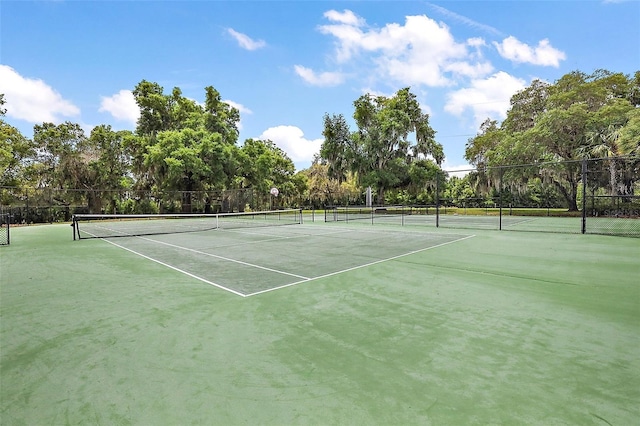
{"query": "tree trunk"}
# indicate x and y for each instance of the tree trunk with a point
(95, 202)
(570, 195)
(186, 201)
(381, 196)
(612, 177)
(186, 195)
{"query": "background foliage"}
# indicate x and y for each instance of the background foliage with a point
(185, 156)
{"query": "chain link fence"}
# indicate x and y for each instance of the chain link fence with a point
(46, 205)
(4, 229)
(595, 196)
(598, 196)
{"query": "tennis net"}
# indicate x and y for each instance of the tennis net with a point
(349, 213)
(121, 225)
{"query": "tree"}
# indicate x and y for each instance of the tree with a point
(154, 107)
(380, 151)
(264, 166)
(526, 106)
(577, 116)
(338, 147)
(69, 160)
(107, 164)
(479, 148)
(629, 134)
(221, 117)
(59, 153)
(459, 189)
(182, 146)
(186, 160)
(323, 189)
(16, 152)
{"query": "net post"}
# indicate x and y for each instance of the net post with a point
(74, 225)
(300, 212)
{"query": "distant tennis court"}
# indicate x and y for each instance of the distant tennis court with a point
(346, 323)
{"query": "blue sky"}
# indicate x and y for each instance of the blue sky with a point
(285, 64)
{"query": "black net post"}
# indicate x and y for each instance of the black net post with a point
(74, 225)
(584, 195)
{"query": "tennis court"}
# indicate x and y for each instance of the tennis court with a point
(319, 323)
(247, 262)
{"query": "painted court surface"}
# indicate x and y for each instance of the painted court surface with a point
(320, 324)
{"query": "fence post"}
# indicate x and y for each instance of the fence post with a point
(500, 198)
(584, 195)
(437, 200)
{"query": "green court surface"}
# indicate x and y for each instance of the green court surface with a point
(339, 323)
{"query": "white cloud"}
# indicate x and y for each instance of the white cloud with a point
(324, 79)
(122, 106)
(33, 100)
(467, 69)
(476, 42)
(291, 139)
(544, 54)
(346, 17)
(489, 97)
(422, 51)
(245, 41)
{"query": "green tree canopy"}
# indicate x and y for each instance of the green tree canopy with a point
(15, 152)
(180, 145)
(578, 116)
(380, 151)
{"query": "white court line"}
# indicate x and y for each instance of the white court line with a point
(358, 267)
(225, 258)
(178, 269)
